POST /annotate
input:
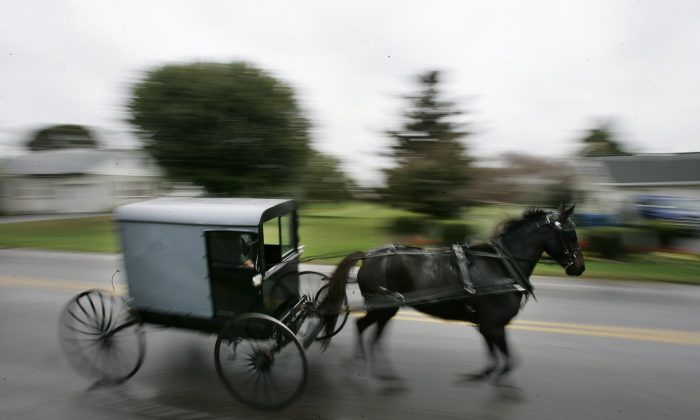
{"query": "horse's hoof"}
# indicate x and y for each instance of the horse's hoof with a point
(476, 377)
(387, 376)
(504, 381)
(479, 376)
(393, 387)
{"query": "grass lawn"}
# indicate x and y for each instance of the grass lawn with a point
(88, 234)
(340, 229)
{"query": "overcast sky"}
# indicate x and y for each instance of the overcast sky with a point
(531, 74)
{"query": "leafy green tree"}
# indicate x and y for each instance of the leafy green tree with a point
(64, 136)
(325, 180)
(600, 141)
(230, 128)
(432, 167)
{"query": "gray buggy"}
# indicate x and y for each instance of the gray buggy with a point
(223, 266)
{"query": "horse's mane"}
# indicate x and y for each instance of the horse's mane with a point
(513, 223)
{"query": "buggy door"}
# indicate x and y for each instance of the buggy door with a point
(233, 258)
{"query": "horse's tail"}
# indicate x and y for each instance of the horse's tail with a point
(333, 303)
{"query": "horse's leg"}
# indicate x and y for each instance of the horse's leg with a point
(362, 323)
(383, 370)
(502, 345)
(489, 338)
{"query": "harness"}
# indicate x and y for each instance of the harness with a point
(464, 256)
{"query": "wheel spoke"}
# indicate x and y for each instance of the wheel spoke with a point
(102, 320)
(92, 305)
(75, 339)
(80, 305)
(112, 306)
(74, 316)
(81, 331)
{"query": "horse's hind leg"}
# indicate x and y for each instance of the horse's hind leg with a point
(362, 324)
(380, 364)
(489, 335)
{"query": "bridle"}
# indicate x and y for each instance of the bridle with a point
(565, 237)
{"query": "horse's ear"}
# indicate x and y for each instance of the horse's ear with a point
(564, 212)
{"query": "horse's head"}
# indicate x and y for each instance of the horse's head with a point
(562, 244)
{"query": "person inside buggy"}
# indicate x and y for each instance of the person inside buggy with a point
(247, 254)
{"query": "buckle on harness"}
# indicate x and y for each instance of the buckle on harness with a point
(463, 267)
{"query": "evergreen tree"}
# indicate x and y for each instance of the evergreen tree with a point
(600, 141)
(432, 168)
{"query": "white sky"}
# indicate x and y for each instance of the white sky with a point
(532, 74)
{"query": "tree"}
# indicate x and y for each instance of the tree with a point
(65, 136)
(600, 141)
(432, 167)
(524, 179)
(230, 128)
(324, 180)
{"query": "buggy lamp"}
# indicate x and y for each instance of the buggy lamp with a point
(257, 280)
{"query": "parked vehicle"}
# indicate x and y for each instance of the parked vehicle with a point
(674, 209)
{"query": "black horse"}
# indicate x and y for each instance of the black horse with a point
(390, 278)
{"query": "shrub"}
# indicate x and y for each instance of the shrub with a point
(410, 225)
(668, 232)
(606, 242)
(419, 230)
(455, 232)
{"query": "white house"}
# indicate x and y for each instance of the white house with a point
(612, 184)
(76, 181)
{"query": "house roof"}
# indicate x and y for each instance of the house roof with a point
(668, 169)
(79, 161)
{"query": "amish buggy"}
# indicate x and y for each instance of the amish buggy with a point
(222, 266)
(230, 267)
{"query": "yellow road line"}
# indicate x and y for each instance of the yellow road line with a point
(625, 333)
(39, 283)
(606, 331)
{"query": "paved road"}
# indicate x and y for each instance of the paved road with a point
(589, 350)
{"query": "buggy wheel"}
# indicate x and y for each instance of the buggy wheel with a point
(320, 297)
(310, 282)
(260, 361)
(101, 336)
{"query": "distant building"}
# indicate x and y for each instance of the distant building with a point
(614, 184)
(76, 181)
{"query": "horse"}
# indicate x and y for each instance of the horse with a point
(515, 249)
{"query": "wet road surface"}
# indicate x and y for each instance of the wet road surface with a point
(588, 350)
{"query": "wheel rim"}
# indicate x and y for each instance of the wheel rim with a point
(101, 337)
(260, 361)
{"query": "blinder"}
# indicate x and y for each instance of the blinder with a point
(566, 237)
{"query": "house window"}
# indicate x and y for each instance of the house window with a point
(33, 192)
(134, 189)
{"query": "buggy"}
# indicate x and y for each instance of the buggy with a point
(226, 266)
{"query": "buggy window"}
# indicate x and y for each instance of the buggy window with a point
(286, 234)
(232, 249)
(279, 239)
